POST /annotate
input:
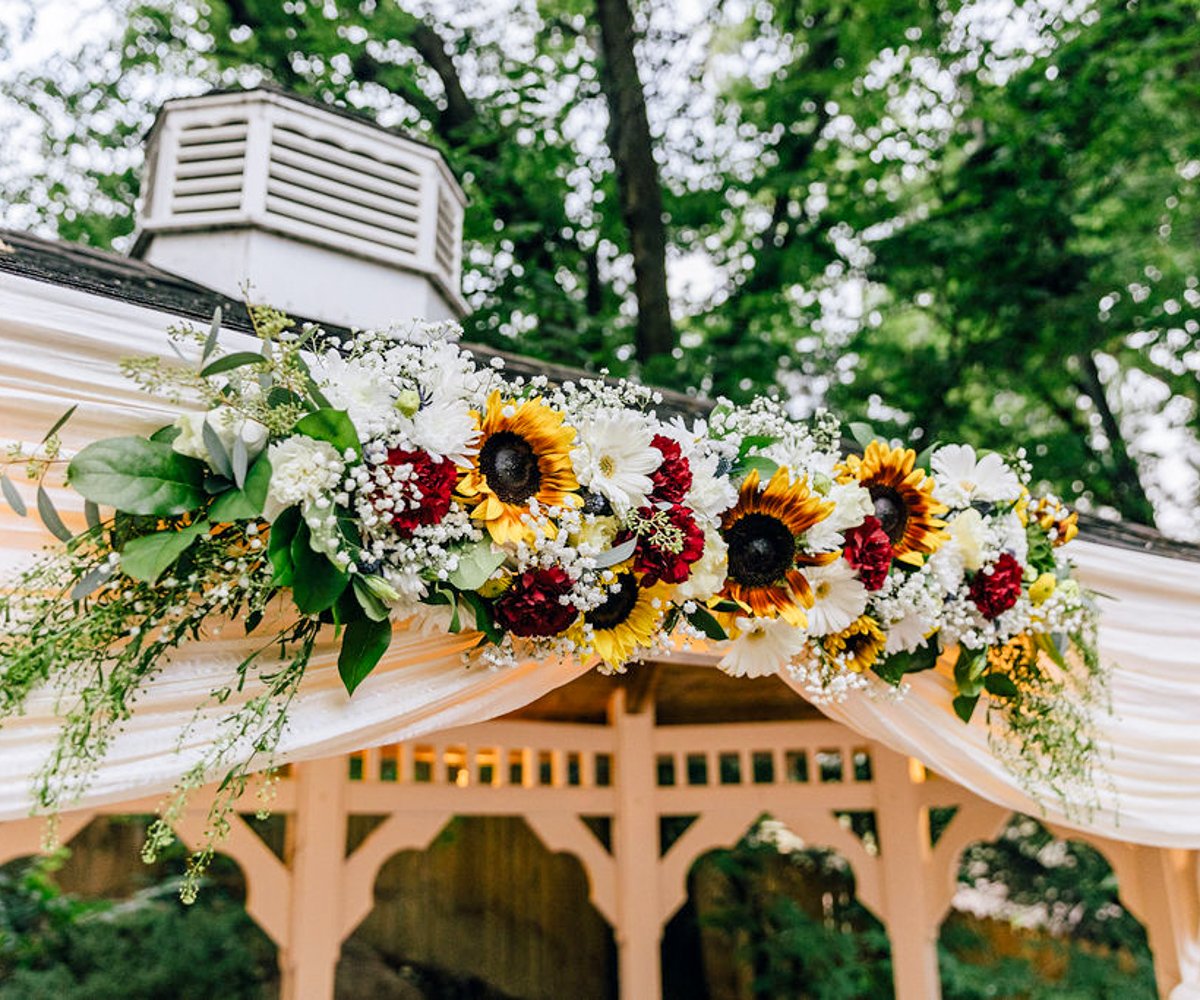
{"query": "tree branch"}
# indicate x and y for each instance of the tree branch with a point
(637, 176)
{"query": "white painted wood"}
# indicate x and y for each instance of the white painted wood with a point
(365, 225)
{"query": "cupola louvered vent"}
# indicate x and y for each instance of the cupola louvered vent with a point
(268, 163)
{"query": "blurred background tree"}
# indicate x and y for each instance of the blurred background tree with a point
(951, 219)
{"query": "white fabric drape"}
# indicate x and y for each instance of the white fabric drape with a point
(59, 347)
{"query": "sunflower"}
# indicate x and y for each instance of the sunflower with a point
(628, 620)
(524, 454)
(763, 532)
(903, 498)
(857, 646)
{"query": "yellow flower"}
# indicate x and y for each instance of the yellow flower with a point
(524, 454)
(762, 532)
(903, 499)
(627, 621)
(857, 646)
(1056, 519)
(1041, 589)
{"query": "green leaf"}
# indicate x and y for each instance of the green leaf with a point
(246, 503)
(862, 433)
(484, 621)
(764, 466)
(477, 561)
(1048, 646)
(137, 476)
(167, 434)
(964, 706)
(707, 624)
(50, 516)
(333, 426)
(752, 441)
(210, 343)
(146, 558)
(239, 359)
(14, 498)
(279, 546)
(216, 450)
(92, 513)
(1001, 685)
(58, 424)
(317, 582)
(372, 605)
(363, 647)
(893, 667)
(968, 670)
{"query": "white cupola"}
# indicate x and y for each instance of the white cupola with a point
(319, 212)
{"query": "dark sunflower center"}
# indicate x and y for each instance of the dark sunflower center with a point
(891, 510)
(761, 550)
(618, 607)
(510, 467)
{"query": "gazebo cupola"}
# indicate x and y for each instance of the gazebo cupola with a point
(318, 211)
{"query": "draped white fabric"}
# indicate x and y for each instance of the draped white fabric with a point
(59, 347)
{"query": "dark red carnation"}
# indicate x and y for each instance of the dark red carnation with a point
(420, 498)
(531, 605)
(869, 550)
(669, 541)
(673, 478)
(996, 592)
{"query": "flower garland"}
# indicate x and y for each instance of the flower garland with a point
(393, 479)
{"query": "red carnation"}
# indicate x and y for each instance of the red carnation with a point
(422, 497)
(869, 550)
(673, 478)
(996, 592)
(669, 541)
(531, 606)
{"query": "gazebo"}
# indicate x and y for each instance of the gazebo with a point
(337, 220)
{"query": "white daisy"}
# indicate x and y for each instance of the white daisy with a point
(711, 495)
(838, 597)
(961, 478)
(762, 646)
(613, 456)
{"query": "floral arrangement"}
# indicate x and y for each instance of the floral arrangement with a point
(393, 479)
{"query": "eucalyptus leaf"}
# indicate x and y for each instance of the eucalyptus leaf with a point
(215, 447)
(617, 554)
(50, 516)
(363, 647)
(239, 460)
(210, 343)
(92, 513)
(229, 362)
(90, 582)
(58, 424)
(148, 557)
(14, 498)
(862, 433)
(137, 476)
(477, 561)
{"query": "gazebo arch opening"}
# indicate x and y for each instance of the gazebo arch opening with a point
(486, 904)
(1042, 915)
(769, 916)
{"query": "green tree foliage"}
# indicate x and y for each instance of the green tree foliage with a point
(953, 219)
(56, 947)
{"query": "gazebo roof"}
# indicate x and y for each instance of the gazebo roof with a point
(117, 276)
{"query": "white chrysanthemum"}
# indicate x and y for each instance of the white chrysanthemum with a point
(907, 633)
(445, 429)
(449, 373)
(969, 535)
(1009, 535)
(762, 646)
(229, 426)
(711, 495)
(708, 572)
(302, 471)
(362, 391)
(961, 478)
(838, 597)
(852, 504)
(613, 456)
